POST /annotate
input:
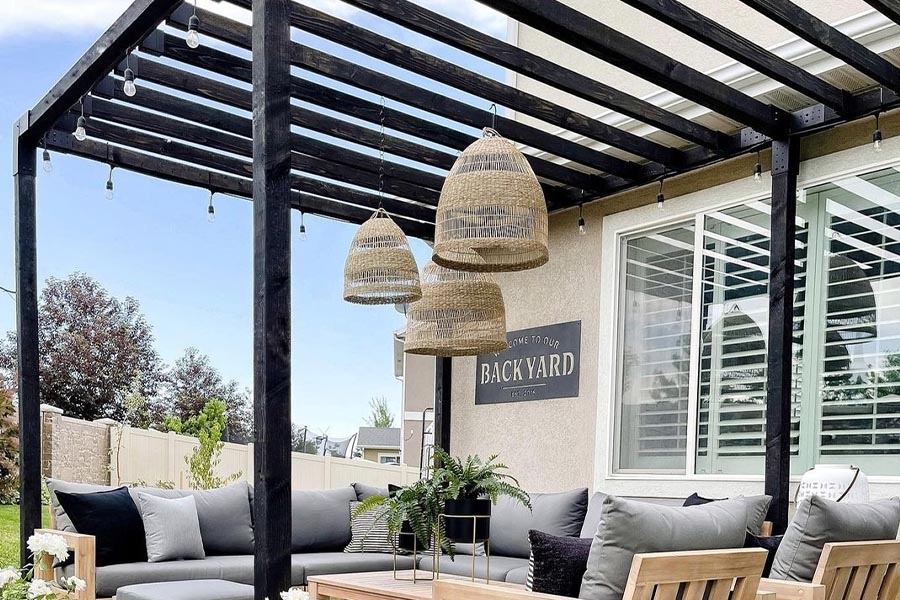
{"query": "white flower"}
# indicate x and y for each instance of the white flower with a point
(39, 588)
(295, 594)
(49, 543)
(9, 574)
(74, 584)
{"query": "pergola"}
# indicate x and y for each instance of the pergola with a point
(172, 135)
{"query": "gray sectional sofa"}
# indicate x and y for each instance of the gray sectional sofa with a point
(321, 530)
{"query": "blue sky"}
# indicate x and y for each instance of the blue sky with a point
(193, 279)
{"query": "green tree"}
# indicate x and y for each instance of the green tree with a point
(193, 381)
(382, 415)
(9, 448)
(207, 427)
(92, 346)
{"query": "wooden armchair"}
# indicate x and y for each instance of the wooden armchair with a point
(84, 551)
(703, 575)
(848, 571)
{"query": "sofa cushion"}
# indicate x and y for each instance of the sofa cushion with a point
(629, 527)
(364, 490)
(462, 565)
(63, 522)
(517, 576)
(320, 520)
(112, 517)
(200, 589)
(239, 568)
(226, 524)
(819, 521)
(171, 527)
(329, 563)
(757, 508)
(556, 514)
(110, 578)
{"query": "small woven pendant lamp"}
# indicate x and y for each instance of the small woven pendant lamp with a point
(461, 313)
(491, 203)
(380, 267)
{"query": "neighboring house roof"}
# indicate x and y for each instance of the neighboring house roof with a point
(378, 437)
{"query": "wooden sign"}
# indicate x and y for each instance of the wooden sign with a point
(541, 363)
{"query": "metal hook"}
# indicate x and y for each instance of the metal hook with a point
(493, 107)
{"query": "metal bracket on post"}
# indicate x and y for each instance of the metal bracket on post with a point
(21, 124)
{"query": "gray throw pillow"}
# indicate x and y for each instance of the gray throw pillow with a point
(364, 490)
(320, 520)
(171, 527)
(819, 521)
(226, 523)
(629, 527)
(559, 514)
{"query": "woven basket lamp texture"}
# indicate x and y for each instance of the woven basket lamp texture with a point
(380, 267)
(491, 203)
(460, 314)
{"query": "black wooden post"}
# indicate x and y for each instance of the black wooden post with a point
(443, 380)
(785, 167)
(272, 295)
(24, 171)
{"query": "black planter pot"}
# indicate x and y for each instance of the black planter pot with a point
(407, 539)
(462, 530)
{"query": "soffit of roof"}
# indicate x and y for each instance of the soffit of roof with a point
(871, 28)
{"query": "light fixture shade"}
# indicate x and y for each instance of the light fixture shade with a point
(461, 313)
(491, 203)
(380, 267)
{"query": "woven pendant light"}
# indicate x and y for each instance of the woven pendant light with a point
(491, 204)
(460, 314)
(380, 267)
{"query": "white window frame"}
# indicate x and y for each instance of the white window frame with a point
(617, 228)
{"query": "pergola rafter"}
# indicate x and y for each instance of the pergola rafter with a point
(198, 126)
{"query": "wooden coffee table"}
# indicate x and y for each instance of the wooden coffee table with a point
(381, 586)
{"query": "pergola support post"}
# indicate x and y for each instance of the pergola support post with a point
(443, 384)
(272, 296)
(24, 172)
(785, 168)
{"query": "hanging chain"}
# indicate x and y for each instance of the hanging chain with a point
(381, 156)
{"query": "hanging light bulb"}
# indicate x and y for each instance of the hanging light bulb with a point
(877, 137)
(81, 125)
(47, 161)
(193, 34)
(757, 170)
(302, 229)
(110, 191)
(660, 196)
(211, 210)
(581, 226)
(129, 87)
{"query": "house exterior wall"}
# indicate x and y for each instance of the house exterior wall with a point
(553, 445)
(374, 454)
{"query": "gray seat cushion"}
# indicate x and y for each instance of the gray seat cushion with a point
(112, 577)
(819, 521)
(517, 576)
(329, 563)
(500, 566)
(557, 514)
(201, 589)
(629, 527)
(320, 520)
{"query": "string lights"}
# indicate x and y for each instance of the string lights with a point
(129, 86)
(193, 34)
(581, 225)
(302, 228)
(110, 190)
(81, 125)
(211, 209)
(46, 161)
(757, 170)
(660, 196)
(876, 136)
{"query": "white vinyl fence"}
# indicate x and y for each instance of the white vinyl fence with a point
(149, 457)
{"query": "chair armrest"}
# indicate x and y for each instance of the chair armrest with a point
(792, 590)
(448, 589)
(84, 550)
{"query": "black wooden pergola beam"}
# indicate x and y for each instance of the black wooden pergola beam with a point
(436, 26)
(709, 32)
(372, 81)
(590, 35)
(822, 35)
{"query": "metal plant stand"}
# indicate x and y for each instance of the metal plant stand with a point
(475, 540)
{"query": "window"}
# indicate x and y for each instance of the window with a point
(693, 328)
(389, 459)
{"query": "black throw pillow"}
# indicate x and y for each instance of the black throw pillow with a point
(769, 543)
(111, 517)
(696, 499)
(557, 564)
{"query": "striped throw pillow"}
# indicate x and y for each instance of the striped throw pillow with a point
(370, 533)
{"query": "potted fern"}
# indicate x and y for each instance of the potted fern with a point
(470, 488)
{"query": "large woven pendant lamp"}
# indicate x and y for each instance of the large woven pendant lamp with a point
(460, 314)
(380, 267)
(492, 215)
